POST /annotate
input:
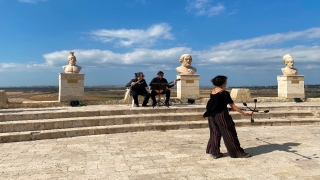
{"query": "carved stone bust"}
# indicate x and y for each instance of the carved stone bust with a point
(72, 67)
(186, 68)
(289, 62)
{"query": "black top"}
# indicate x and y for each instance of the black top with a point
(163, 80)
(218, 103)
(137, 87)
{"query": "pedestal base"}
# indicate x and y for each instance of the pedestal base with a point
(291, 86)
(188, 86)
(71, 87)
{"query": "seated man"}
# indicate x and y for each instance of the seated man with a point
(160, 79)
(138, 87)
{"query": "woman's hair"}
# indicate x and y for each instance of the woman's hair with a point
(219, 80)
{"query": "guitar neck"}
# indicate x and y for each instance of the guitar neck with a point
(174, 80)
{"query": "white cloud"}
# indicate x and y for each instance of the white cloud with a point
(309, 34)
(264, 59)
(129, 37)
(20, 67)
(249, 54)
(31, 1)
(104, 58)
(204, 8)
(259, 52)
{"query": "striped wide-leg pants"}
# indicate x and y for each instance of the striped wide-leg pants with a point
(222, 125)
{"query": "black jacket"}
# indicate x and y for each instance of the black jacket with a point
(137, 87)
(217, 103)
(157, 80)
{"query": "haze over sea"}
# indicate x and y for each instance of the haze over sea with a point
(244, 40)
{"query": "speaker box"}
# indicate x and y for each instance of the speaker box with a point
(74, 103)
(191, 101)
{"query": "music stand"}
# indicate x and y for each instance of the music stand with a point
(159, 88)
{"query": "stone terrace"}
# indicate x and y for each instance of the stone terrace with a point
(60, 122)
(171, 146)
(279, 152)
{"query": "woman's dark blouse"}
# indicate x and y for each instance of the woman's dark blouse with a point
(217, 103)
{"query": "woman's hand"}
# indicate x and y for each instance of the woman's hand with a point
(247, 113)
(233, 106)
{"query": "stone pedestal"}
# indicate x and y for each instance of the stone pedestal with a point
(291, 86)
(188, 86)
(71, 87)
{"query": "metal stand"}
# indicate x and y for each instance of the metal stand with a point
(159, 88)
(254, 109)
(159, 102)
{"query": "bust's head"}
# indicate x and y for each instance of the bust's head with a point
(185, 60)
(72, 59)
(288, 61)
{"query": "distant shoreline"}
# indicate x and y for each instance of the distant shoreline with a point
(123, 86)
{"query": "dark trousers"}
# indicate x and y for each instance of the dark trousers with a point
(222, 125)
(135, 95)
(166, 92)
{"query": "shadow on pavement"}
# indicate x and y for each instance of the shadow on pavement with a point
(269, 147)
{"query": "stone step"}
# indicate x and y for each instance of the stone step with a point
(111, 129)
(17, 115)
(47, 124)
(61, 123)
(278, 122)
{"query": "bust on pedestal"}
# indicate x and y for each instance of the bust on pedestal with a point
(188, 86)
(290, 85)
(71, 83)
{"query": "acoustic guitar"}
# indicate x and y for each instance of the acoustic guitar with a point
(159, 91)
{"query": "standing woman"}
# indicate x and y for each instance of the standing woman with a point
(221, 123)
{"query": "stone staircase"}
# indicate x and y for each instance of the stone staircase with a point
(54, 123)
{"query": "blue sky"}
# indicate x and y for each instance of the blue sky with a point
(244, 40)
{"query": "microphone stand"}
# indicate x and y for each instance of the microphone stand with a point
(254, 109)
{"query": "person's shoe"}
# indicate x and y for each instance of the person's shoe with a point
(154, 103)
(243, 155)
(217, 156)
(136, 105)
(144, 105)
(167, 104)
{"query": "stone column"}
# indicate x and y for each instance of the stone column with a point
(291, 86)
(188, 86)
(3, 100)
(71, 87)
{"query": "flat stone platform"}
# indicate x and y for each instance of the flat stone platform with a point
(281, 152)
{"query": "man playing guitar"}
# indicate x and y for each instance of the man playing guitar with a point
(160, 79)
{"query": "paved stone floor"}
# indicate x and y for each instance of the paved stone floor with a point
(282, 152)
